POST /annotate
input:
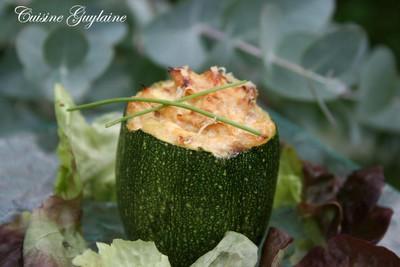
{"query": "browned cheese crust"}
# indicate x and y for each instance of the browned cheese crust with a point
(192, 130)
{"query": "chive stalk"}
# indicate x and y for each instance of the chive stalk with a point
(163, 102)
(182, 99)
(167, 103)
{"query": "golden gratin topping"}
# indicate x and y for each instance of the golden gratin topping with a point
(192, 130)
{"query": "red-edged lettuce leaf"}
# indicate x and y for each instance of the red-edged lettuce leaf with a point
(358, 197)
(53, 236)
(346, 251)
(340, 251)
(304, 231)
(11, 240)
(328, 215)
(273, 249)
(319, 185)
(11, 247)
(349, 207)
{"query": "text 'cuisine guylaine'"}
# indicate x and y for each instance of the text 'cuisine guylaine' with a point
(77, 16)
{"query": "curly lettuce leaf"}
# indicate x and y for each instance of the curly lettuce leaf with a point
(276, 242)
(53, 235)
(289, 183)
(349, 206)
(234, 250)
(123, 253)
(347, 251)
(362, 216)
(86, 152)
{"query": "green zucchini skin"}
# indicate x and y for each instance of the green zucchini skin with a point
(185, 200)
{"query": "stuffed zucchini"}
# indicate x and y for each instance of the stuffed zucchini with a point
(184, 179)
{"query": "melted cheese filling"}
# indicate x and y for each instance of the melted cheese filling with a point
(192, 130)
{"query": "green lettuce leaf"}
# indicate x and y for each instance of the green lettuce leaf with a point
(86, 152)
(234, 250)
(122, 253)
(289, 184)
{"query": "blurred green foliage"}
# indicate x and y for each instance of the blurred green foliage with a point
(323, 75)
(380, 19)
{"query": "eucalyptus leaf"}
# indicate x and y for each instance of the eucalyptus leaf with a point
(78, 74)
(144, 11)
(309, 148)
(7, 20)
(302, 72)
(65, 47)
(174, 38)
(378, 82)
(270, 35)
(387, 119)
(29, 45)
(282, 17)
(145, 72)
(19, 117)
(305, 15)
(337, 53)
(61, 8)
(12, 79)
(243, 25)
(115, 82)
(108, 33)
(225, 54)
(305, 67)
